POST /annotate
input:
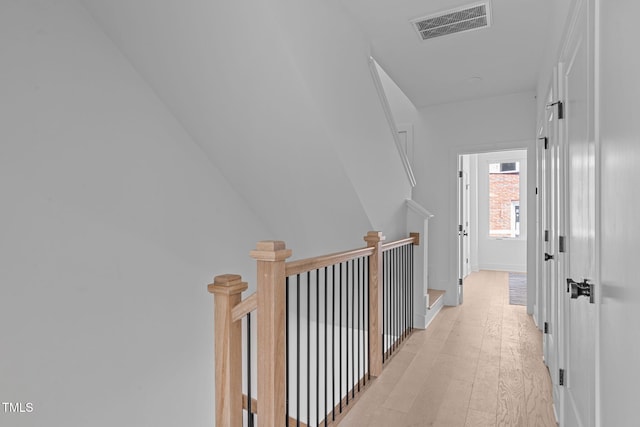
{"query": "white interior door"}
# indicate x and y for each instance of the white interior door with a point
(461, 236)
(466, 217)
(539, 308)
(580, 312)
(549, 220)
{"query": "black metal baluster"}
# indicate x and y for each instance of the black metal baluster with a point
(340, 340)
(394, 304)
(397, 293)
(333, 342)
(249, 414)
(353, 310)
(390, 297)
(405, 270)
(397, 296)
(405, 294)
(317, 348)
(346, 312)
(326, 381)
(368, 312)
(384, 312)
(298, 351)
(286, 356)
(409, 273)
(398, 305)
(388, 303)
(411, 281)
(309, 289)
(359, 349)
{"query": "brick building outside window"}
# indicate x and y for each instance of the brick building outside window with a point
(504, 200)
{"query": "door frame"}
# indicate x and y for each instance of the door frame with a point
(530, 146)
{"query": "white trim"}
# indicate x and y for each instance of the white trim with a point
(417, 208)
(598, 230)
(512, 268)
(408, 129)
(390, 120)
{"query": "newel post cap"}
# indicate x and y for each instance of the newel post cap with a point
(416, 238)
(270, 250)
(374, 237)
(227, 284)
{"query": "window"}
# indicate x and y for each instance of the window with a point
(504, 200)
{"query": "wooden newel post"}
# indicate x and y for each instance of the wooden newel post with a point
(271, 256)
(227, 290)
(374, 239)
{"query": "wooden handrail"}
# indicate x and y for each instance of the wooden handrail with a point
(413, 240)
(309, 264)
(245, 307)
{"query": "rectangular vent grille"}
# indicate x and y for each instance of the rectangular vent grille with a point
(453, 21)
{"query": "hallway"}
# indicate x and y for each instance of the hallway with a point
(479, 364)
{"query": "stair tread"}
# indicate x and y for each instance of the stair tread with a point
(434, 296)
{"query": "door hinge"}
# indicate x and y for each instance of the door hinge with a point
(460, 227)
(561, 244)
(546, 327)
(459, 174)
(560, 108)
(546, 142)
(460, 282)
(546, 235)
(536, 190)
(561, 378)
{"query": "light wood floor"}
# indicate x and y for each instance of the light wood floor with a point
(478, 364)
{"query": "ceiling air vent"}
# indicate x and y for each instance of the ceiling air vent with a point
(466, 18)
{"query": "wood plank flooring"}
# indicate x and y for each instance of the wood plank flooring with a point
(479, 364)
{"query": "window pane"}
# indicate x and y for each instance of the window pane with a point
(504, 199)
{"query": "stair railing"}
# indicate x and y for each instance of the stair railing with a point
(313, 359)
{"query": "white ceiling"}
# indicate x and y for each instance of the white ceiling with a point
(506, 56)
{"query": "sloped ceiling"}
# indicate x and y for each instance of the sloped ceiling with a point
(283, 122)
(506, 57)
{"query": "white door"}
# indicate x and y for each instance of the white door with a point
(466, 218)
(580, 312)
(539, 308)
(461, 236)
(549, 255)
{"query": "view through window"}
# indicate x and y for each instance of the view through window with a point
(504, 199)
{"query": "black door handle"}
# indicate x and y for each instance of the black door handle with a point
(547, 257)
(580, 289)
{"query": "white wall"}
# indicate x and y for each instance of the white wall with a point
(491, 124)
(501, 254)
(620, 234)
(280, 96)
(112, 223)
